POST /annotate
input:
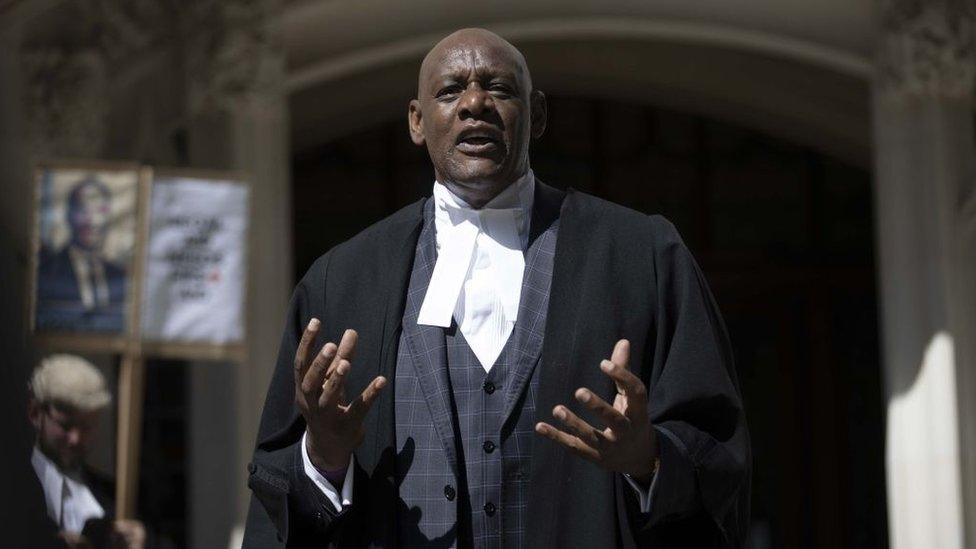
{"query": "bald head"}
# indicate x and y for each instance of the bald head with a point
(473, 39)
(476, 112)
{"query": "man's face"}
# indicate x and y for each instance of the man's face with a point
(89, 218)
(63, 433)
(474, 112)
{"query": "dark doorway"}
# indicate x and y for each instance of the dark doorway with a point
(785, 237)
(164, 459)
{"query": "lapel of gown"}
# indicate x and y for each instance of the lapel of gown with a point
(530, 324)
(395, 267)
(426, 344)
(559, 371)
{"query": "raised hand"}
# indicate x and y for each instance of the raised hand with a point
(628, 443)
(334, 425)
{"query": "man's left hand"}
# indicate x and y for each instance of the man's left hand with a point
(628, 444)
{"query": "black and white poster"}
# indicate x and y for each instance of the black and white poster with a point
(195, 261)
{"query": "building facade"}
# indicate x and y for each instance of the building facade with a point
(709, 111)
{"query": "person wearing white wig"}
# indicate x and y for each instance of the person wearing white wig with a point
(67, 397)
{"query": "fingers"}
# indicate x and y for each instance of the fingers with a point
(323, 381)
(311, 377)
(570, 442)
(621, 353)
(347, 348)
(577, 426)
(332, 391)
(358, 408)
(619, 445)
(620, 358)
(315, 376)
(301, 355)
(627, 383)
(611, 417)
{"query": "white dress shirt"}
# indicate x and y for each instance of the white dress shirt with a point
(90, 276)
(477, 281)
(69, 502)
(338, 500)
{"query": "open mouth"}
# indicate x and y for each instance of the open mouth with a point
(479, 142)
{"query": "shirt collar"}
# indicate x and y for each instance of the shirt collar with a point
(45, 466)
(52, 481)
(519, 196)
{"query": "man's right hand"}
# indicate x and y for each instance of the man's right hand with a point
(129, 534)
(334, 425)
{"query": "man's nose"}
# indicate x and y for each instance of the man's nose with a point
(97, 217)
(74, 436)
(475, 101)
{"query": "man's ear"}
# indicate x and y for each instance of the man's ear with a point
(35, 412)
(414, 120)
(539, 113)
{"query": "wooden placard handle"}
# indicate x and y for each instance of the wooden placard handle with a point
(131, 382)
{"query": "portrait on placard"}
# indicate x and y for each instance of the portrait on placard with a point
(85, 246)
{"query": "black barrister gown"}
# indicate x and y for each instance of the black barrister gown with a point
(617, 274)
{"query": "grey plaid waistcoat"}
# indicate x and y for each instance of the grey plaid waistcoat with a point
(464, 437)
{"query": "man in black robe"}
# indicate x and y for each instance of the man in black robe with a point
(641, 439)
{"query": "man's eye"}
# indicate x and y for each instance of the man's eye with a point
(448, 91)
(501, 89)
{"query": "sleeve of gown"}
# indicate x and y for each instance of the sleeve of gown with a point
(694, 401)
(341, 497)
(286, 506)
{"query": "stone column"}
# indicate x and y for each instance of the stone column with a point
(238, 120)
(925, 168)
(62, 94)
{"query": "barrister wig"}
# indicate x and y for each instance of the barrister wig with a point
(69, 380)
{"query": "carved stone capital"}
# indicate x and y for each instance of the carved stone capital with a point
(66, 101)
(123, 30)
(69, 57)
(235, 54)
(927, 47)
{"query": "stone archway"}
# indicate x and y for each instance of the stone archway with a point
(812, 94)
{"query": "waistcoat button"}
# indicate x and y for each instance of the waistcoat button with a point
(489, 387)
(489, 446)
(449, 492)
(490, 509)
